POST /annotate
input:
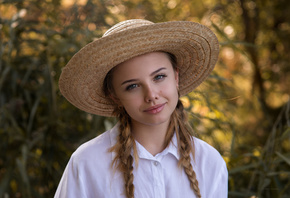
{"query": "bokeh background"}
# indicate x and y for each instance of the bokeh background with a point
(243, 108)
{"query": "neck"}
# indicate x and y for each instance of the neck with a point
(151, 137)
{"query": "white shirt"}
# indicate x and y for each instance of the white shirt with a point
(89, 173)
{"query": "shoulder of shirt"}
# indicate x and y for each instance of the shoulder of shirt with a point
(96, 148)
(206, 152)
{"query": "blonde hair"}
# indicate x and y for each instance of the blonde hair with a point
(123, 160)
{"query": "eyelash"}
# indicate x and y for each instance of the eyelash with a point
(130, 87)
(157, 78)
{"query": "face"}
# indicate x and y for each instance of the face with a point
(146, 86)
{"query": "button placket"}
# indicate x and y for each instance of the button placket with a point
(158, 180)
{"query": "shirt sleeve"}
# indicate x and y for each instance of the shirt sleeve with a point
(71, 185)
(221, 183)
(211, 170)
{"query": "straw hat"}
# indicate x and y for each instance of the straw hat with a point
(195, 46)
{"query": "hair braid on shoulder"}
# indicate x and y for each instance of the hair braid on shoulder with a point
(123, 160)
(183, 133)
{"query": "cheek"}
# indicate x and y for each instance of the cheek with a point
(172, 93)
(175, 95)
(170, 89)
(130, 100)
(132, 107)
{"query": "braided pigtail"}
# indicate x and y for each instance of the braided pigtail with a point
(123, 160)
(184, 137)
(185, 145)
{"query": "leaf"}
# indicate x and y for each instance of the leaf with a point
(3, 76)
(233, 43)
(287, 160)
(32, 114)
(266, 183)
(286, 134)
(5, 181)
(243, 168)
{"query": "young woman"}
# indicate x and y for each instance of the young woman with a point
(136, 72)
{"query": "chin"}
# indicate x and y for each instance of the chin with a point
(155, 121)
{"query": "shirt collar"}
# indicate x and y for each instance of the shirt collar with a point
(172, 148)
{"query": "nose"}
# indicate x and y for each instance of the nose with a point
(150, 94)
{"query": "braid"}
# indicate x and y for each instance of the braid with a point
(185, 146)
(123, 160)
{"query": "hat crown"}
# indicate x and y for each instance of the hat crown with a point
(125, 25)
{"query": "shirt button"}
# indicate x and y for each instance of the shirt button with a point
(155, 163)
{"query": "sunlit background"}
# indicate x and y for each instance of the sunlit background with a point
(242, 109)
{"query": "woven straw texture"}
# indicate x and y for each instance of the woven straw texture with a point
(194, 45)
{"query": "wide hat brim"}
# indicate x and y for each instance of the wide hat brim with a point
(195, 46)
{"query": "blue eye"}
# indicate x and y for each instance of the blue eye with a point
(159, 77)
(130, 87)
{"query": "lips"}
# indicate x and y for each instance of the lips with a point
(155, 109)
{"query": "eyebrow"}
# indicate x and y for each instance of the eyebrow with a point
(152, 74)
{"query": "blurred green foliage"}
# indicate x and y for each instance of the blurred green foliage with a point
(243, 109)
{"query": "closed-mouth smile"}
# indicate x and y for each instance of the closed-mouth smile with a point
(155, 109)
